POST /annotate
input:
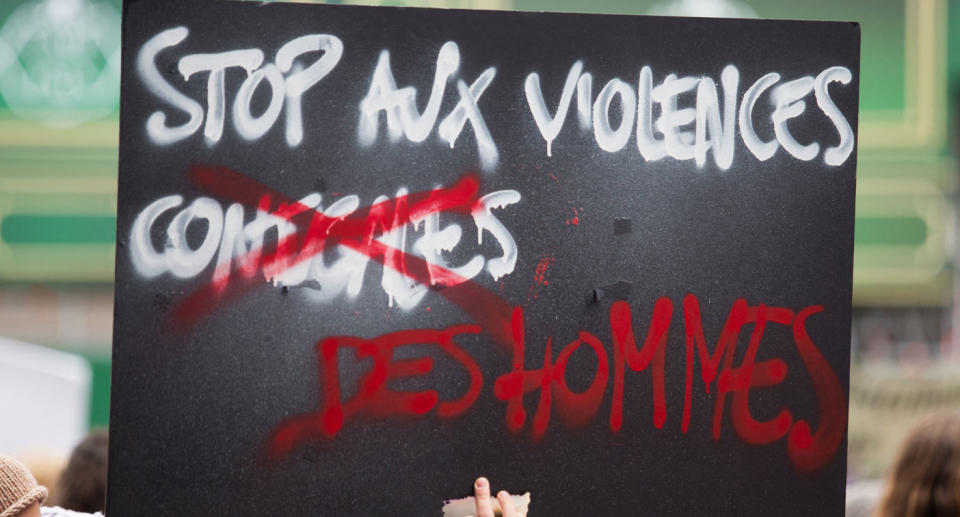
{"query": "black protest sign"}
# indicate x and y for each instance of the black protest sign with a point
(368, 254)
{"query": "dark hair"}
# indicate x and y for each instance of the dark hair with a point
(925, 480)
(83, 484)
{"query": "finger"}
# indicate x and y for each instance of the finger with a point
(481, 491)
(506, 504)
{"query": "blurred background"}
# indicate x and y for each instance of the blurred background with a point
(59, 84)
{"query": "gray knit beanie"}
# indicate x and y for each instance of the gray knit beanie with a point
(18, 487)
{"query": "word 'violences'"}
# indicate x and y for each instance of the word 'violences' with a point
(712, 130)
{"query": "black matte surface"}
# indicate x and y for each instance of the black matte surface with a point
(192, 410)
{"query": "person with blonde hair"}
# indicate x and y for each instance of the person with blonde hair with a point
(925, 480)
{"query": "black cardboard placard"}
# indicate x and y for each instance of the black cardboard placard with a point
(366, 255)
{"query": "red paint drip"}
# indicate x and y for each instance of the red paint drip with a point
(540, 276)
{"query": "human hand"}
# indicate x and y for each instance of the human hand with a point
(481, 492)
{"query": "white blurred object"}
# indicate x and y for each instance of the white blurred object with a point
(44, 398)
(863, 497)
(705, 8)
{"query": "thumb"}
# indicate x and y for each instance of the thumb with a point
(481, 491)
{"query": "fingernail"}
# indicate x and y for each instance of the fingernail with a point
(481, 482)
(502, 494)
